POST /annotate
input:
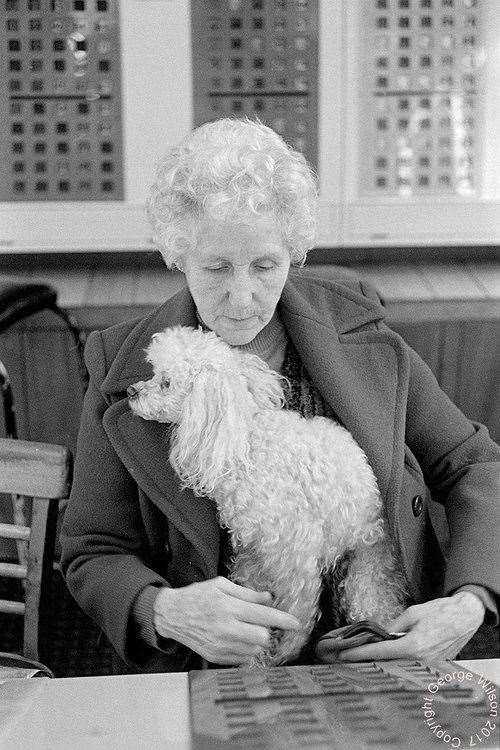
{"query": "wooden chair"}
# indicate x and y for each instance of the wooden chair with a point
(42, 472)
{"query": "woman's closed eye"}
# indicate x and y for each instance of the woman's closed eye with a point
(257, 266)
(215, 269)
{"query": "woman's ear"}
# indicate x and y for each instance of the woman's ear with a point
(211, 438)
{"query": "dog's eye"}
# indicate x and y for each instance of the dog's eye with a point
(165, 382)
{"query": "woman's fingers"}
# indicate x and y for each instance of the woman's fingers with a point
(269, 617)
(244, 593)
(224, 622)
(252, 607)
(405, 621)
(254, 635)
(397, 649)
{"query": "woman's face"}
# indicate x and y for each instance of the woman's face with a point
(236, 274)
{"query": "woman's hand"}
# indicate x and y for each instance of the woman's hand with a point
(223, 622)
(436, 630)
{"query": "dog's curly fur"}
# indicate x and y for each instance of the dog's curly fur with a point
(294, 493)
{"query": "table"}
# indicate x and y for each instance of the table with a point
(130, 712)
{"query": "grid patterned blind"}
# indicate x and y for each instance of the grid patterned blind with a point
(60, 100)
(421, 87)
(258, 58)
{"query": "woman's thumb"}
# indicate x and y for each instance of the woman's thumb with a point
(403, 622)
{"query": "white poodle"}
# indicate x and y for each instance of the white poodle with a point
(294, 493)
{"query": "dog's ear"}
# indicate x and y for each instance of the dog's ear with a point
(211, 437)
(265, 385)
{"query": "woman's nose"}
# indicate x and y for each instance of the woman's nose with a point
(240, 291)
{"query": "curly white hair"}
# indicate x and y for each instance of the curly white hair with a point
(231, 170)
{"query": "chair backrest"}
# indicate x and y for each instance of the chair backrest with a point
(41, 472)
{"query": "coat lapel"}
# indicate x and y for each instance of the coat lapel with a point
(143, 446)
(363, 374)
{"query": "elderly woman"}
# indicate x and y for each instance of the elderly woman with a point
(233, 208)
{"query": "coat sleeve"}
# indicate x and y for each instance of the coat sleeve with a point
(104, 548)
(461, 466)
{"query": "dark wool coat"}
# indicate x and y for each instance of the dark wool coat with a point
(128, 524)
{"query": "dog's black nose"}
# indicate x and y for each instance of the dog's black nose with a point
(132, 391)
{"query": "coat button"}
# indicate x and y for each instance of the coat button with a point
(417, 505)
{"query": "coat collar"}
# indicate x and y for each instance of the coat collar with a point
(325, 302)
(363, 375)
